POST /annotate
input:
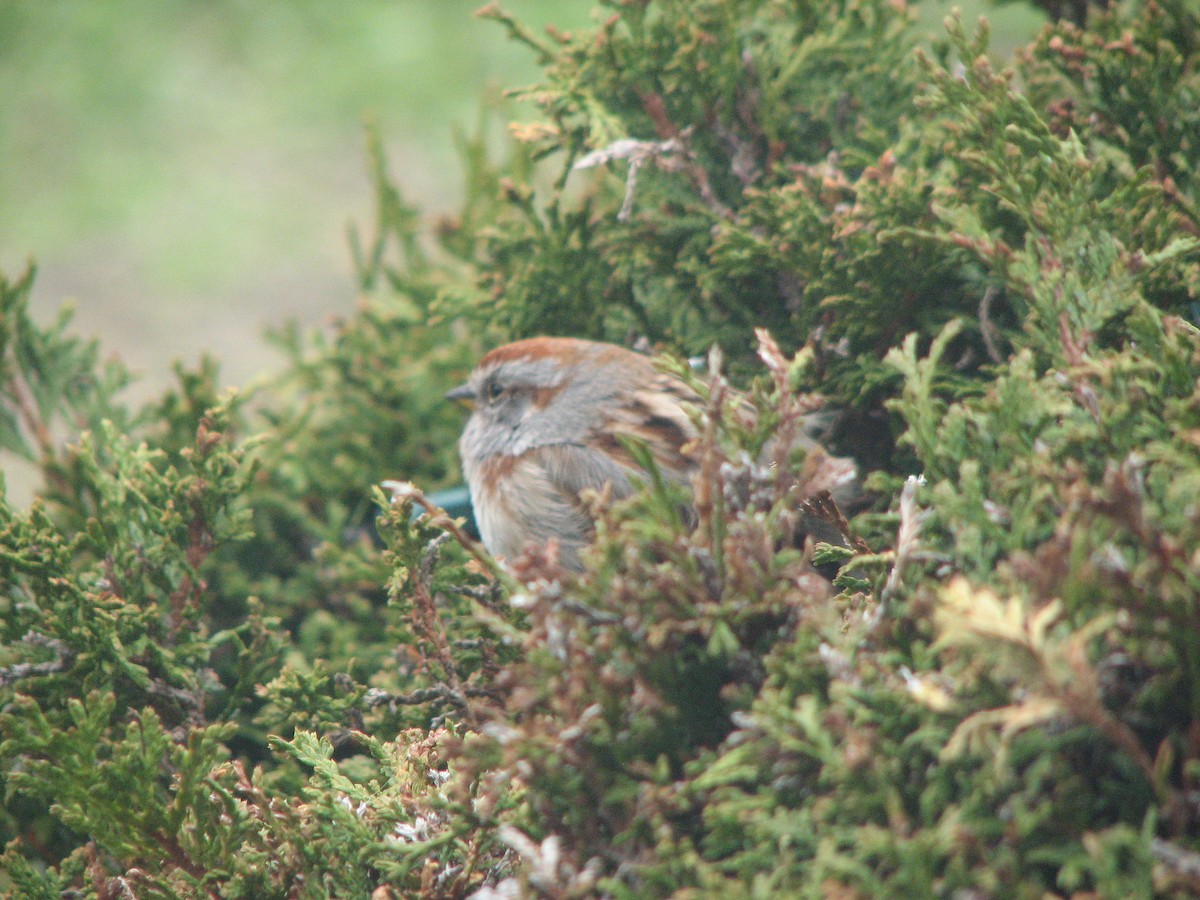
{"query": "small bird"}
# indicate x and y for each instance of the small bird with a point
(549, 415)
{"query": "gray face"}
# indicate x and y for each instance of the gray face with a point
(528, 402)
(505, 403)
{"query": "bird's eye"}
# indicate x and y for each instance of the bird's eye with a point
(493, 391)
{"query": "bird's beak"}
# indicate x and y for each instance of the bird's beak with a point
(461, 394)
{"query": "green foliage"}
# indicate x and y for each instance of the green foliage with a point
(728, 102)
(52, 381)
(232, 667)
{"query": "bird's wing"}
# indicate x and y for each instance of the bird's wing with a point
(658, 417)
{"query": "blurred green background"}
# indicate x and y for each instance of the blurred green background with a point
(183, 172)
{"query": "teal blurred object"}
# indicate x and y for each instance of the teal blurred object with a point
(457, 502)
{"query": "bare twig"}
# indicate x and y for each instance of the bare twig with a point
(406, 490)
(707, 496)
(666, 153)
(379, 697)
(911, 520)
(63, 658)
(429, 558)
(986, 327)
(30, 417)
(590, 613)
(673, 153)
(1075, 348)
(1182, 863)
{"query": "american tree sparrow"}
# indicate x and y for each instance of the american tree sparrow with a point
(548, 414)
